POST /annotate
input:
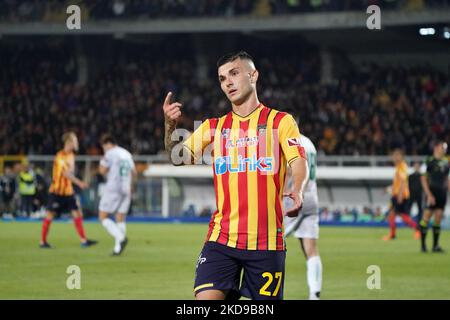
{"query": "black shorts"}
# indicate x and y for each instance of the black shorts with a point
(441, 199)
(402, 207)
(219, 267)
(61, 204)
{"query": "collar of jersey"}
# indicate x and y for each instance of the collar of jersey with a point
(250, 115)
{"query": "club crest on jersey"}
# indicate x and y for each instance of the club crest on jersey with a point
(294, 142)
(262, 129)
(225, 164)
(226, 133)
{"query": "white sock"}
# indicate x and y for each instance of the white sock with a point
(122, 227)
(113, 230)
(314, 275)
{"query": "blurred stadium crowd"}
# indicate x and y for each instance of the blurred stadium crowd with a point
(55, 10)
(368, 110)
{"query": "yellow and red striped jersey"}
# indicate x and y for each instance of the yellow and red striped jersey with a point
(401, 175)
(250, 155)
(64, 162)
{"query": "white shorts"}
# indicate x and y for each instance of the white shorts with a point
(114, 202)
(306, 224)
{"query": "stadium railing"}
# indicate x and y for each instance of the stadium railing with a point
(348, 185)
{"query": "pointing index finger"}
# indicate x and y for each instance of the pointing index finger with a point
(168, 97)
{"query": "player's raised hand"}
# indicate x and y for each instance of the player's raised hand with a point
(297, 199)
(172, 111)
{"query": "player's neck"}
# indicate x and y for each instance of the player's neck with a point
(247, 107)
(67, 149)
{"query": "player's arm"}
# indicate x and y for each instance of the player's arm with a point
(102, 170)
(388, 189)
(133, 179)
(448, 182)
(172, 113)
(426, 188)
(69, 174)
(401, 190)
(300, 174)
(289, 137)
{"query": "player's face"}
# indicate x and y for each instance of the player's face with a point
(106, 147)
(397, 156)
(441, 150)
(238, 80)
(74, 142)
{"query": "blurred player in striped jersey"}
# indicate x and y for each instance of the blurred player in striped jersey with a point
(305, 226)
(118, 167)
(62, 198)
(251, 150)
(400, 197)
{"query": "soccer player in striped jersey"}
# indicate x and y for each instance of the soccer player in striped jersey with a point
(62, 198)
(400, 196)
(251, 147)
(305, 226)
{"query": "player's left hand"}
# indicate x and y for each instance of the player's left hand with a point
(298, 202)
(83, 185)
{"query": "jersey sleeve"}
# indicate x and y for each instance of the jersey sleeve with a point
(289, 136)
(199, 139)
(66, 164)
(106, 161)
(423, 169)
(403, 171)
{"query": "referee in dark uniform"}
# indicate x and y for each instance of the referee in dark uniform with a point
(435, 182)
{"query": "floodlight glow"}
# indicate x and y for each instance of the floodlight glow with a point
(427, 31)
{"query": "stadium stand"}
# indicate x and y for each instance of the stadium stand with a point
(369, 110)
(16, 11)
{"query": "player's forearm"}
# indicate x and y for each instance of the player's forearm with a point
(401, 189)
(299, 175)
(133, 180)
(180, 156)
(169, 143)
(73, 179)
(426, 188)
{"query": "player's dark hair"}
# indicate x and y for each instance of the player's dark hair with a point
(107, 138)
(438, 142)
(233, 56)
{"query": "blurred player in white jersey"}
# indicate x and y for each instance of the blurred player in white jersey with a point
(118, 167)
(305, 226)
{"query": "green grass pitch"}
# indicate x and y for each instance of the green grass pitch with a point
(160, 259)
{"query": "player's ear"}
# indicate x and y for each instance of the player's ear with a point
(254, 76)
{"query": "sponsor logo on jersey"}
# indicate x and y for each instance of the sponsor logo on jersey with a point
(251, 164)
(294, 142)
